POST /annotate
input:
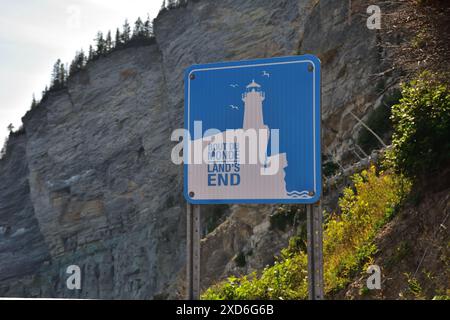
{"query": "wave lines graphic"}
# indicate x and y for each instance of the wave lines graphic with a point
(299, 194)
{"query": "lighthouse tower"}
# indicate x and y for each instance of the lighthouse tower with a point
(254, 120)
(253, 113)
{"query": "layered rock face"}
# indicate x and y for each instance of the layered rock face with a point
(101, 182)
(90, 182)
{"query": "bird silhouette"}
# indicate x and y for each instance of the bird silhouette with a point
(266, 74)
(234, 85)
(232, 106)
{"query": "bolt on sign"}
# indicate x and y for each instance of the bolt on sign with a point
(253, 131)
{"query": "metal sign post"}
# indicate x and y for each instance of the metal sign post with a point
(193, 251)
(315, 251)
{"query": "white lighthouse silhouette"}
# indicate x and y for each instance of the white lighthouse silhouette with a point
(253, 113)
(253, 98)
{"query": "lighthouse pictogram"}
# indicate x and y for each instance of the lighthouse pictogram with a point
(253, 107)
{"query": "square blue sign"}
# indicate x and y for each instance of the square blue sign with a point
(253, 131)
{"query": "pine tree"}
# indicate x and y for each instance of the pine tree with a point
(101, 44)
(108, 42)
(10, 127)
(62, 75)
(77, 63)
(44, 93)
(138, 31)
(148, 27)
(118, 40)
(34, 102)
(81, 61)
(126, 32)
(56, 78)
(163, 5)
(91, 53)
(73, 66)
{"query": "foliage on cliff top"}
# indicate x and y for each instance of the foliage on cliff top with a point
(348, 243)
(141, 34)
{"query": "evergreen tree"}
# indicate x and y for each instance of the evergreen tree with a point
(81, 60)
(126, 32)
(108, 42)
(118, 40)
(91, 53)
(59, 76)
(73, 67)
(10, 127)
(101, 44)
(62, 75)
(163, 6)
(138, 31)
(77, 63)
(148, 27)
(56, 78)
(34, 103)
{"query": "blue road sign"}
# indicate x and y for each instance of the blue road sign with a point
(253, 131)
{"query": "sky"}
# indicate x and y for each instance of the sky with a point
(34, 34)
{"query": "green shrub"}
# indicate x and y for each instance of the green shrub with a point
(286, 279)
(348, 244)
(421, 120)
